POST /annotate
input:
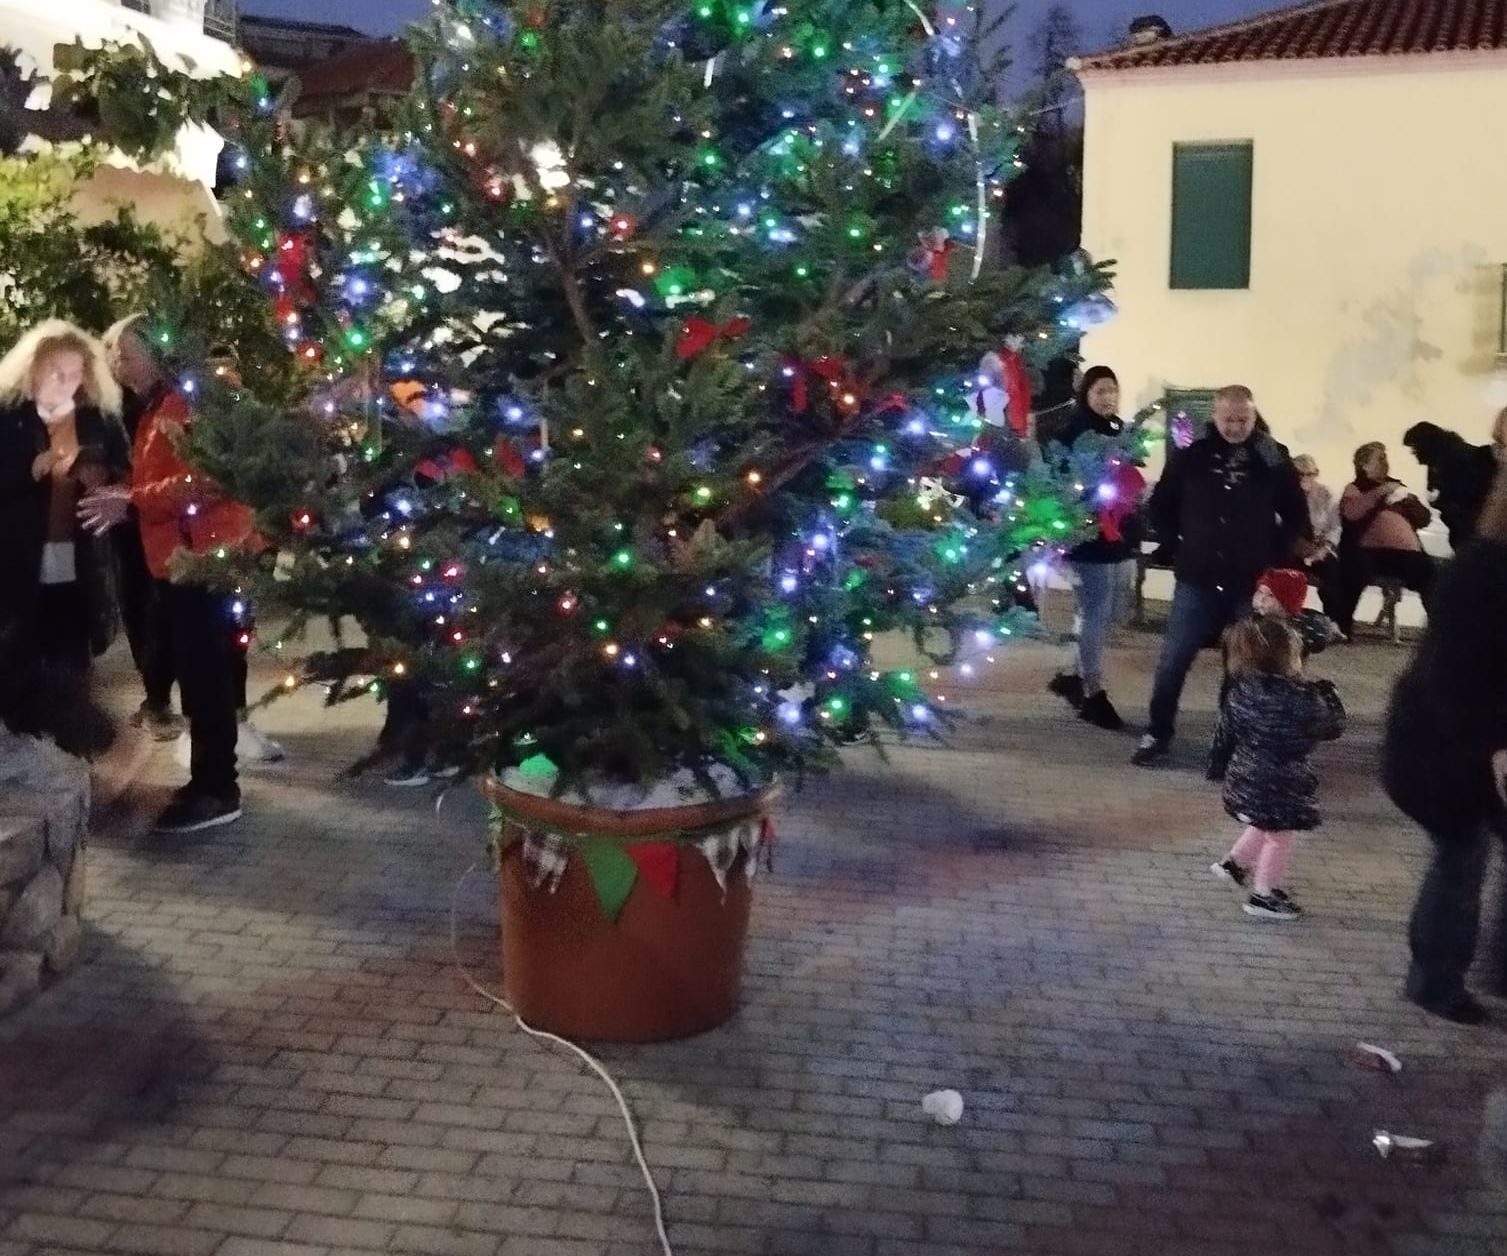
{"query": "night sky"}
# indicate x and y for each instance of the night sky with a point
(1104, 21)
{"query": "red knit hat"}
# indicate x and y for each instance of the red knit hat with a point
(1288, 586)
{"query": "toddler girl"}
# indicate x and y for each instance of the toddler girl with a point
(1280, 594)
(1273, 719)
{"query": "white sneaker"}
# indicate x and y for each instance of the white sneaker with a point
(252, 746)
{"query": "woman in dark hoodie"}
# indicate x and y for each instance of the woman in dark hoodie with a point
(1460, 475)
(1444, 763)
(1094, 562)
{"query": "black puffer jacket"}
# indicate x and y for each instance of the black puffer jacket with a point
(1274, 723)
(1449, 710)
(1231, 511)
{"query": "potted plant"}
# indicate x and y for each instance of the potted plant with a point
(643, 348)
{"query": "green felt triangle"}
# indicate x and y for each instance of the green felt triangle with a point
(612, 873)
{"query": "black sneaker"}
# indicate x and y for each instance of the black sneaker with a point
(1229, 871)
(1151, 750)
(409, 776)
(1099, 711)
(1067, 687)
(1273, 906)
(159, 723)
(190, 812)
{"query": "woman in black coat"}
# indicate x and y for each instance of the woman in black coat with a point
(1444, 763)
(57, 607)
(1459, 476)
(1095, 562)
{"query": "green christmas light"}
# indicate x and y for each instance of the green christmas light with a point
(623, 559)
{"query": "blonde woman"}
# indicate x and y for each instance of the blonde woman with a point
(59, 439)
(1322, 559)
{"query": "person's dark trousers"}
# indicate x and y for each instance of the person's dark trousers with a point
(55, 659)
(204, 661)
(242, 675)
(1197, 617)
(1325, 576)
(1446, 920)
(405, 731)
(62, 626)
(1364, 567)
(1414, 569)
(145, 622)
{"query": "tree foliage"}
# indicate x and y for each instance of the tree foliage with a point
(636, 375)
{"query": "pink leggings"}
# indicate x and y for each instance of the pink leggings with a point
(1266, 852)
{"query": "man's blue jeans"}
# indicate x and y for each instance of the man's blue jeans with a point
(1197, 617)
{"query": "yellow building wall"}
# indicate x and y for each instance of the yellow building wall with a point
(182, 207)
(1379, 231)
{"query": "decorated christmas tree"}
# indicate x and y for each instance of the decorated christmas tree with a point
(638, 384)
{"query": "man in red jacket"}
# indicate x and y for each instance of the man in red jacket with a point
(178, 510)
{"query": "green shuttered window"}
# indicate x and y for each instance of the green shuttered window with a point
(1211, 215)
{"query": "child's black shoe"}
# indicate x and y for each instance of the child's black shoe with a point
(1273, 906)
(1230, 872)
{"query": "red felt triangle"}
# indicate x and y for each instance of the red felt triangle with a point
(658, 864)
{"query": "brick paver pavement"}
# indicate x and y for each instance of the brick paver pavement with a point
(268, 1052)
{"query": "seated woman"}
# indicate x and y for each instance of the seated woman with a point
(1323, 558)
(1379, 541)
(58, 440)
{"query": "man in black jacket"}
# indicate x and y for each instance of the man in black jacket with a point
(1232, 506)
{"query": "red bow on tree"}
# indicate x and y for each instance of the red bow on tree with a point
(441, 467)
(1119, 494)
(293, 248)
(697, 335)
(507, 457)
(833, 370)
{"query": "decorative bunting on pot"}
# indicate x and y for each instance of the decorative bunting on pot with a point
(659, 864)
(544, 856)
(614, 866)
(612, 873)
(721, 852)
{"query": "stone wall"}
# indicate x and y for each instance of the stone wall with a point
(44, 810)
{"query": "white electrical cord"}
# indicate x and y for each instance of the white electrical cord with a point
(591, 1061)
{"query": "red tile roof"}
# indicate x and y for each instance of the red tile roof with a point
(381, 66)
(1328, 28)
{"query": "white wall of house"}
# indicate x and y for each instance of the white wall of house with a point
(1379, 230)
(177, 188)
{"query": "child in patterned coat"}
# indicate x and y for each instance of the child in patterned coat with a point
(1280, 594)
(1274, 719)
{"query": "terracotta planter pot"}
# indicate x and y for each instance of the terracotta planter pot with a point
(665, 968)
